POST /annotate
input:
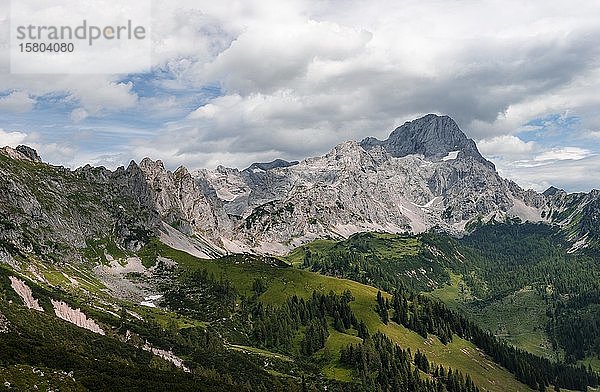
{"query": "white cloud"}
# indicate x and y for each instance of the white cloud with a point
(563, 154)
(534, 166)
(593, 134)
(299, 76)
(16, 101)
(79, 115)
(97, 95)
(11, 139)
(571, 175)
(507, 146)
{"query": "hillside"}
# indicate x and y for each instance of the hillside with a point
(523, 282)
(281, 283)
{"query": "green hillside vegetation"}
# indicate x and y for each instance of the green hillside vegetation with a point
(508, 285)
(519, 318)
(282, 282)
(106, 363)
(526, 269)
(381, 259)
(258, 323)
(220, 357)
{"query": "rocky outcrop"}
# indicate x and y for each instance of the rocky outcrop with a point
(4, 324)
(75, 316)
(54, 212)
(258, 166)
(29, 152)
(25, 293)
(434, 137)
(166, 355)
(426, 174)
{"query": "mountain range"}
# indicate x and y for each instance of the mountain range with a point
(426, 175)
(267, 278)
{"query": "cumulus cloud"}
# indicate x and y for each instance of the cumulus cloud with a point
(323, 74)
(507, 146)
(79, 115)
(293, 78)
(573, 175)
(593, 134)
(564, 154)
(16, 101)
(537, 167)
(11, 139)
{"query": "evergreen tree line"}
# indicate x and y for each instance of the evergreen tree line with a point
(360, 259)
(384, 366)
(200, 294)
(502, 259)
(425, 315)
(274, 327)
(574, 325)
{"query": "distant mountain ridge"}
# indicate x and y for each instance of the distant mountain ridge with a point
(426, 175)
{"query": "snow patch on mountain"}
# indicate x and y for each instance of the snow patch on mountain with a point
(579, 244)
(452, 155)
(149, 300)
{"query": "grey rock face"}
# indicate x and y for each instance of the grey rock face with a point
(270, 165)
(54, 212)
(432, 136)
(427, 174)
(387, 186)
(29, 153)
(552, 191)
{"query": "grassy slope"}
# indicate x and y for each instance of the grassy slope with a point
(40, 347)
(388, 246)
(285, 281)
(518, 318)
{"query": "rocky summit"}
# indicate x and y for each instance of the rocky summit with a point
(432, 136)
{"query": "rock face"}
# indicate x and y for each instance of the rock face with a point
(4, 324)
(271, 165)
(434, 137)
(25, 293)
(29, 152)
(75, 316)
(427, 174)
(54, 212)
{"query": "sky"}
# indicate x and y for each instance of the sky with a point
(236, 82)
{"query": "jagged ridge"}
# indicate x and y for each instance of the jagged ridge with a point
(427, 174)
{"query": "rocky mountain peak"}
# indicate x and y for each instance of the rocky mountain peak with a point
(29, 153)
(277, 163)
(21, 152)
(552, 191)
(435, 137)
(148, 165)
